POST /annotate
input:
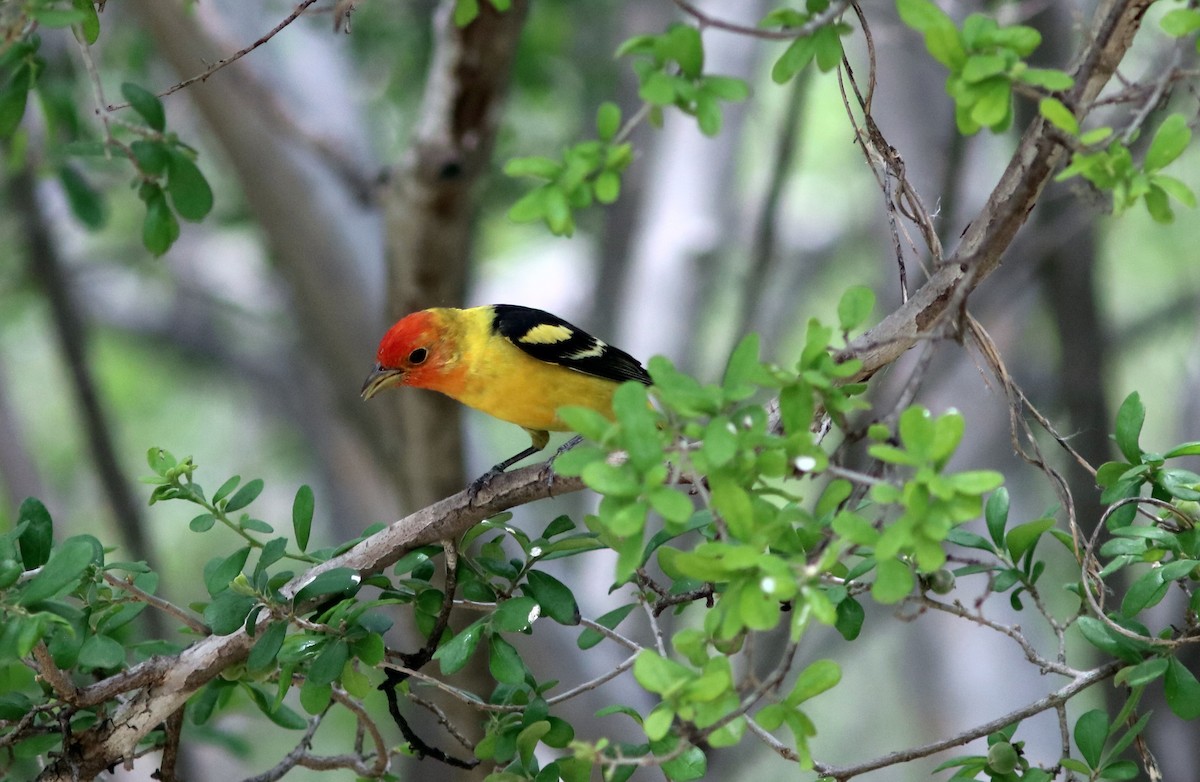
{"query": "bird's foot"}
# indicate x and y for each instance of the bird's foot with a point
(483, 480)
(548, 465)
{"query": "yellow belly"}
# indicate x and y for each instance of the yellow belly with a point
(520, 389)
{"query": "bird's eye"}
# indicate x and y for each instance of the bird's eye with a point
(418, 356)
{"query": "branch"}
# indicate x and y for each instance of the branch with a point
(219, 64)
(808, 28)
(165, 683)
(992, 230)
(1051, 701)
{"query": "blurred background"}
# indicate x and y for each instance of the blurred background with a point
(354, 183)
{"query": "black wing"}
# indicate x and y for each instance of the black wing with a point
(549, 338)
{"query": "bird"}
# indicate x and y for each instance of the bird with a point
(515, 363)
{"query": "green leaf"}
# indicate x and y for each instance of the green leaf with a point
(1181, 21)
(658, 722)
(942, 37)
(100, 651)
(734, 504)
(330, 582)
(454, 654)
(302, 515)
(1095, 136)
(993, 103)
(814, 680)
(13, 99)
(855, 307)
(1147, 591)
(1175, 188)
(683, 45)
(245, 495)
(1058, 115)
(1159, 206)
(1182, 690)
(1024, 537)
(692, 764)
(61, 572)
(917, 430)
(37, 538)
(465, 12)
(330, 662)
(742, 369)
(1099, 635)
(554, 597)
(1130, 417)
(922, 15)
(727, 88)
(827, 46)
(855, 528)
(160, 229)
(315, 698)
(266, 647)
(86, 202)
(983, 66)
(798, 55)
(528, 738)
(189, 190)
(658, 88)
(1143, 673)
(89, 25)
(995, 513)
(1170, 140)
(515, 615)
(146, 104)
(536, 166)
(55, 17)
(227, 612)
(504, 662)
(608, 120)
(1091, 731)
(672, 505)
(1047, 78)
(658, 674)
(607, 186)
(850, 616)
(893, 581)
(589, 637)
(218, 577)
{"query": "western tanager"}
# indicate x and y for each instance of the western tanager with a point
(517, 364)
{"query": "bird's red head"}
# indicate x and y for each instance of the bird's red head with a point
(414, 352)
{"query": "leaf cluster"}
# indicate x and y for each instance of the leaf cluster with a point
(986, 63)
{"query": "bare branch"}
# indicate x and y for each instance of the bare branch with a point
(219, 64)
(1051, 701)
(155, 601)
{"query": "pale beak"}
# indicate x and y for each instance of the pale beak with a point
(379, 379)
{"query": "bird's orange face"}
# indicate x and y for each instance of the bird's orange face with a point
(410, 354)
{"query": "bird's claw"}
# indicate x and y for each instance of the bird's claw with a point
(483, 480)
(548, 465)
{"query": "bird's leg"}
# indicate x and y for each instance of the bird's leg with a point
(548, 465)
(483, 480)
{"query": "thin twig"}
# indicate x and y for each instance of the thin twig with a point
(1051, 701)
(1013, 632)
(777, 746)
(219, 64)
(154, 601)
(808, 28)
